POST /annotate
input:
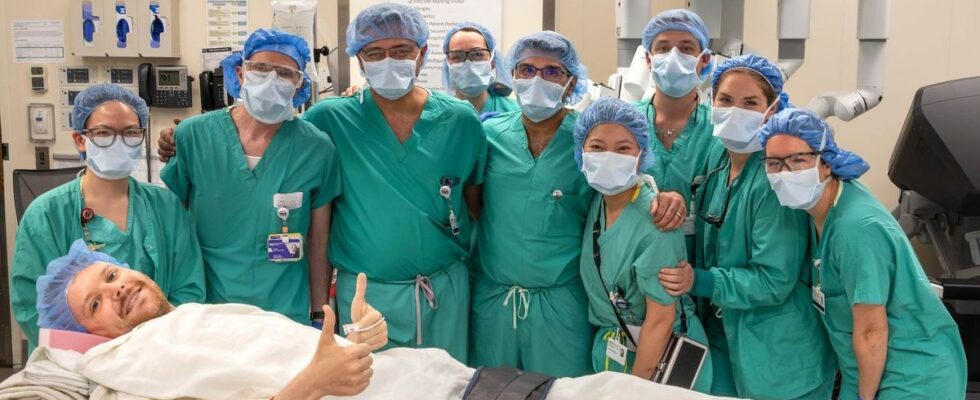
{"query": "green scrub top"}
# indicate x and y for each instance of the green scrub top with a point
(633, 252)
(159, 241)
(392, 223)
(233, 210)
(865, 258)
(674, 170)
(528, 308)
(500, 104)
(757, 261)
(533, 209)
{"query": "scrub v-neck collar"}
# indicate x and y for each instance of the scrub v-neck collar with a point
(377, 118)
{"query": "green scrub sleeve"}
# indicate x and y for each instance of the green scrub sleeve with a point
(704, 283)
(187, 272)
(667, 251)
(778, 239)
(330, 186)
(867, 259)
(34, 244)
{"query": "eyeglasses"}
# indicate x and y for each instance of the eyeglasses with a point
(290, 74)
(458, 56)
(717, 220)
(551, 74)
(403, 52)
(792, 162)
(105, 137)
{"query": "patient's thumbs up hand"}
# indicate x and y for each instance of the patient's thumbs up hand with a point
(358, 306)
(339, 370)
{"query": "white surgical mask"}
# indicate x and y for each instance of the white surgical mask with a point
(799, 190)
(539, 99)
(610, 173)
(391, 78)
(267, 97)
(738, 128)
(471, 78)
(675, 73)
(114, 162)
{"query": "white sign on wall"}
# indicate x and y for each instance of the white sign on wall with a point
(441, 16)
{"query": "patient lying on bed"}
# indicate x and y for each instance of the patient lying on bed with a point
(90, 292)
(234, 351)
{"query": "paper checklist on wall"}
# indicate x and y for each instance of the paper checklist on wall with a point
(38, 41)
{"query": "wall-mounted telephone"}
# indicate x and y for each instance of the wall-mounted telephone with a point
(213, 95)
(165, 87)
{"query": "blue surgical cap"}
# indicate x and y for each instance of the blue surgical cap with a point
(94, 96)
(759, 65)
(608, 110)
(386, 21)
(678, 20)
(553, 45)
(269, 40)
(807, 126)
(52, 287)
(502, 83)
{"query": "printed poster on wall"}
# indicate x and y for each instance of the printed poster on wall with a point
(442, 15)
(38, 41)
(226, 23)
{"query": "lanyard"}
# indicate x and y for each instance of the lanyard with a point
(87, 215)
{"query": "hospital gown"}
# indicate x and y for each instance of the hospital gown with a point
(392, 223)
(675, 169)
(233, 210)
(633, 251)
(159, 241)
(866, 259)
(529, 307)
(767, 343)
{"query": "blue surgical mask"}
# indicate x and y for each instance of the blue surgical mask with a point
(471, 78)
(675, 73)
(114, 162)
(391, 78)
(268, 98)
(799, 190)
(539, 99)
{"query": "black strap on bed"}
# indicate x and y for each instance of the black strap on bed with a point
(506, 383)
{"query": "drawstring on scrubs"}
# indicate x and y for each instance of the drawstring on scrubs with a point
(424, 285)
(519, 295)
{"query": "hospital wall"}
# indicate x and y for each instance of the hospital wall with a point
(931, 41)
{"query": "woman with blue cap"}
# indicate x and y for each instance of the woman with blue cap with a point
(622, 250)
(474, 69)
(138, 223)
(676, 42)
(892, 335)
(752, 254)
(529, 309)
(260, 183)
(408, 155)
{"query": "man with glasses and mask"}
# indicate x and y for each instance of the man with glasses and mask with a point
(408, 155)
(137, 223)
(259, 182)
(530, 310)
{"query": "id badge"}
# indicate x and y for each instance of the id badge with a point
(285, 247)
(819, 300)
(616, 351)
(689, 225)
